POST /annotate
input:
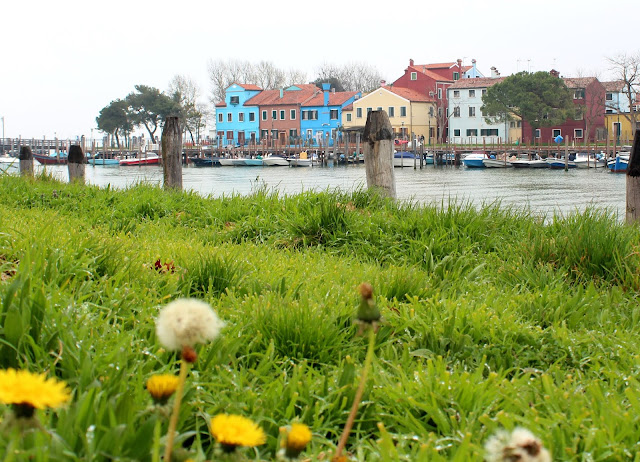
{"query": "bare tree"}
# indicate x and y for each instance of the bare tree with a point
(185, 91)
(353, 76)
(627, 69)
(295, 76)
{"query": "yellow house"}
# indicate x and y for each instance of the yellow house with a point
(618, 128)
(409, 112)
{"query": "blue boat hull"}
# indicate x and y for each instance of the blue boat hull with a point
(619, 165)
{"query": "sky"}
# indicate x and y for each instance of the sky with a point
(62, 61)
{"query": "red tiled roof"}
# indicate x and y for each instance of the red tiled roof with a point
(248, 86)
(437, 65)
(348, 108)
(409, 94)
(289, 97)
(580, 82)
(335, 99)
(221, 104)
(479, 82)
(429, 73)
(615, 86)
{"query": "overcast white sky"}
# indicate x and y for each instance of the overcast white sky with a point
(64, 60)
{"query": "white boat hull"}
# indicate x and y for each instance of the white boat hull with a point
(275, 161)
(496, 163)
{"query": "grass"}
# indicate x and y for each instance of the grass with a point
(493, 319)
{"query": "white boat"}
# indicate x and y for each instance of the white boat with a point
(584, 160)
(405, 159)
(496, 163)
(8, 162)
(474, 160)
(529, 163)
(275, 161)
(302, 160)
(559, 164)
(226, 161)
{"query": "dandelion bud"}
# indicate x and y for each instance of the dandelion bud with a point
(161, 387)
(368, 312)
(296, 440)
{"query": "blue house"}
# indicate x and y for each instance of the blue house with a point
(320, 116)
(236, 124)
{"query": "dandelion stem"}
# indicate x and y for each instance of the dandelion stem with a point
(155, 457)
(356, 400)
(173, 423)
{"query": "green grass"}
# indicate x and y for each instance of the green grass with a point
(493, 318)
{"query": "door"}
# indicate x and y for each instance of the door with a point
(241, 138)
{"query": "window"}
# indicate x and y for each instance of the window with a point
(414, 76)
(456, 132)
(234, 99)
(292, 114)
(220, 135)
(484, 91)
(579, 94)
(472, 93)
(609, 111)
(274, 115)
(333, 114)
(282, 115)
(519, 124)
(609, 97)
(252, 117)
(430, 111)
(220, 117)
(241, 117)
(309, 133)
(264, 115)
(577, 133)
(617, 129)
(368, 110)
(309, 115)
(439, 93)
(456, 111)
(472, 111)
(229, 134)
(293, 133)
(439, 112)
(579, 114)
(264, 134)
(557, 132)
(489, 132)
(403, 111)
(537, 134)
(512, 125)
(359, 112)
(349, 117)
(229, 117)
(456, 93)
(392, 111)
(456, 75)
(472, 132)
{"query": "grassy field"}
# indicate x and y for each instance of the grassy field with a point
(493, 319)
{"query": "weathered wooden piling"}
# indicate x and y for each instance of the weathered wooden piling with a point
(378, 153)
(26, 161)
(75, 163)
(172, 153)
(633, 182)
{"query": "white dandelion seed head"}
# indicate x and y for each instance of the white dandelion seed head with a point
(518, 446)
(186, 322)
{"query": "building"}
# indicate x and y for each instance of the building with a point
(236, 125)
(409, 111)
(321, 116)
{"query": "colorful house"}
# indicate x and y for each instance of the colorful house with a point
(409, 111)
(236, 124)
(321, 116)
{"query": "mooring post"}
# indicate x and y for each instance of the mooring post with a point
(26, 161)
(378, 153)
(75, 163)
(633, 182)
(172, 153)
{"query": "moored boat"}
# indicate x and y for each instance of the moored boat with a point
(226, 161)
(302, 160)
(559, 163)
(619, 164)
(273, 160)
(257, 162)
(496, 163)
(148, 159)
(586, 160)
(474, 160)
(103, 162)
(51, 159)
(205, 161)
(405, 159)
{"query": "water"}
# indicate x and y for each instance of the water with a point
(543, 191)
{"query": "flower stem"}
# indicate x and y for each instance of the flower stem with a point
(155, 456)
(173, 423)
(356, 400)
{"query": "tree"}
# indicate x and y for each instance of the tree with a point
(539, 98)
(185, 92)
(149, 107)
(354, 76)
(627, 69)
(333, 81)
(114, 119)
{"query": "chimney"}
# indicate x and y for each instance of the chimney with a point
(383, 83)
(494, 73)
(325, 88)
(281, 93)
(554, 73)
(459, 62)
(411, 62)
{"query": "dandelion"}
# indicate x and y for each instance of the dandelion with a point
(232, 431)
(296, 439)
(27, 392)
(518, 446)
(161, 387)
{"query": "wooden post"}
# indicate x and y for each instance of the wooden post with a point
(26, 161)
(633, 182)
(378, 153)
(172, 153)
(75, 162)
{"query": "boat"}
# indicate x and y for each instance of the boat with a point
(496, 163)
(226, 161)
(257, 162)
(586, 160)
(559, 163)
(8, 162)
(51, 159)
(474, 160)
(150, 159)
(273, 160)
(302, 160)
(103, 162)
(620, 163)
(405, 159)
(525, 162)
(205, 161)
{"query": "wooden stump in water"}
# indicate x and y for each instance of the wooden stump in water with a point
(75, 163)
(26, 161)
(378, 153)
(633, 182)
(172, 153)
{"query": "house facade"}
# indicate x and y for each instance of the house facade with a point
(409, 111)
(237, 125)
(321, 116)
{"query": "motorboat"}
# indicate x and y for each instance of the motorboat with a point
(474, 160)
(620, 163)
(558, 163)
(145, 159)
(492, 162)
(587, 160)
(405, 159)
(274, 160)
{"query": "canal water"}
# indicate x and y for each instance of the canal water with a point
(542, 191)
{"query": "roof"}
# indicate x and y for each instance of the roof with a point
(348, 108)
(580, 82)
(221, 104)
(289, 96)
(335, 99)
(615, 86)
(428, 73)
(246, 86)
(478, 82)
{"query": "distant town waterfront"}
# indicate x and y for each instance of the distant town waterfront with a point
(543, 191)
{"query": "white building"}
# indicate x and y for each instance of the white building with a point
(616, 100)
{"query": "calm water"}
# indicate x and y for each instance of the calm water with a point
(544, 191)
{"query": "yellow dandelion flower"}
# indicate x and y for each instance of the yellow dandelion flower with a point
(232, 431)
(297, 439)
(27, 391)
(161, 387)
